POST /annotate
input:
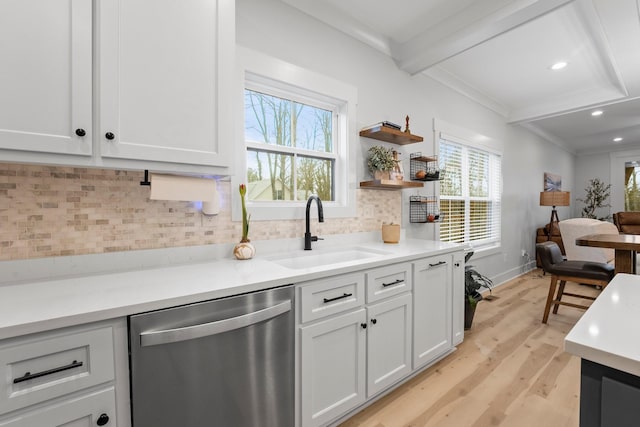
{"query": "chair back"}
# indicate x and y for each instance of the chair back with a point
(550, 255)
(627, 222)
(573, 228)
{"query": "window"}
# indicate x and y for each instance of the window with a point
(632, 186)
(470, 193)
(297, 137)
(290, 146)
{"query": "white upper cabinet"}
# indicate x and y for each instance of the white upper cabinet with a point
(128, 84)
(165, 69)
(45, 76)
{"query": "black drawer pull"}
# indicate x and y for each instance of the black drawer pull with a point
(437, 264)
(384, 285)
(337, 298)
(30, 376)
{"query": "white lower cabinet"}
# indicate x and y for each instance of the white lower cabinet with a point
(332, 367)
(84, 411)
(68, 377)
(388, 342)
(458, 298)
(352, 347)
(432, 308)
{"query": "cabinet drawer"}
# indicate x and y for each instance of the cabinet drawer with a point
(35, 370)
(387, 281)
(325, 297)
(81, 411)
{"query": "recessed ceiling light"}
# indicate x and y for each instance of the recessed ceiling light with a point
(558, 65)
(597, 113)
(617, 139)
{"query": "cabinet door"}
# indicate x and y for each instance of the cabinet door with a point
(431, 309)
(388, 342)
(332, 367)
(165, 77)
(458, 297)
(46, 82)
(83, 411)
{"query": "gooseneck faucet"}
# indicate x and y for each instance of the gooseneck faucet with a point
(308, 238)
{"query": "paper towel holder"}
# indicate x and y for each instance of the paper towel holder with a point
(185, 188)
(146, 178)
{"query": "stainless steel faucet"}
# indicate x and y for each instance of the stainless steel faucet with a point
(308, 238)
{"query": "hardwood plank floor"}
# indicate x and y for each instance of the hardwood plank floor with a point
(511, 369)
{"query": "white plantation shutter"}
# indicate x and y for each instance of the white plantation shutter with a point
(470, 193)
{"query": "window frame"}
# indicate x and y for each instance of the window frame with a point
(279, 78)
(469, 140)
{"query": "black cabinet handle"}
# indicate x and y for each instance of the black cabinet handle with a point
(384, 285)
(457, 264)
(374, 321)
(438, 264)
(29, 376)
(109, 135)
(363, 325)
(80, 132)
(103, 419)
(326, 300)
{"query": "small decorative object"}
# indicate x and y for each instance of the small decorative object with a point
(397, 173)
(244, 249)
(390, 233)
(380, 162)
(596, 198)
(406, 128)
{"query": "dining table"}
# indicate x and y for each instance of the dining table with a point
(624, 245)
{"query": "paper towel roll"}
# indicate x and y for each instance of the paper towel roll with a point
(186, 188)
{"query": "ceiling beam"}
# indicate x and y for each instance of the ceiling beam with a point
(337, 19)
(478, 23)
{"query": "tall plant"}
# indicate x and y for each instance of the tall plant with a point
(596, 197)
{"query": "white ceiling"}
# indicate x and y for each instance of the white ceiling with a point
(498, 52)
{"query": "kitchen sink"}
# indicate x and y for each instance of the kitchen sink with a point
(318, 258)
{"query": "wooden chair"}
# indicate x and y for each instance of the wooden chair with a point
(593, 273)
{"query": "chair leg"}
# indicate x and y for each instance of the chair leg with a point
(559, 296)
(552, 291)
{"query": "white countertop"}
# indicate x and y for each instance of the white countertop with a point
(36, 305)
(609, 333)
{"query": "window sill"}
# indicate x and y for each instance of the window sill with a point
(485, 251)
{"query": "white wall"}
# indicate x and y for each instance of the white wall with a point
(386, 93)
(589, 166)
(599, 165)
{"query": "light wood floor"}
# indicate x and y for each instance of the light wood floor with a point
(511, 369)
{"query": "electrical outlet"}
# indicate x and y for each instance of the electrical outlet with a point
(524, 253)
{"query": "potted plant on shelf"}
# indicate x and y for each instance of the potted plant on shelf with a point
(473, 282)
(380, 162)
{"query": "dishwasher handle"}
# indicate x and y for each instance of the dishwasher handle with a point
(205, 329)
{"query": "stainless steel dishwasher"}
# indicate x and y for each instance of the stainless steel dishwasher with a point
(226, 362)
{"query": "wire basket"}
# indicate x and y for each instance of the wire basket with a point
(424, 209)
(424, 168)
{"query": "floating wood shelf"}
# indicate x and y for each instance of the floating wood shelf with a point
(388, 184)
(388, 134)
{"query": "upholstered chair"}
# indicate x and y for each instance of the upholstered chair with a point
(627, 222)
(572, 228)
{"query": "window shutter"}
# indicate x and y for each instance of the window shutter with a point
(470, 194)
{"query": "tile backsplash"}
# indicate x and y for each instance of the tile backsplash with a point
(50, 211)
